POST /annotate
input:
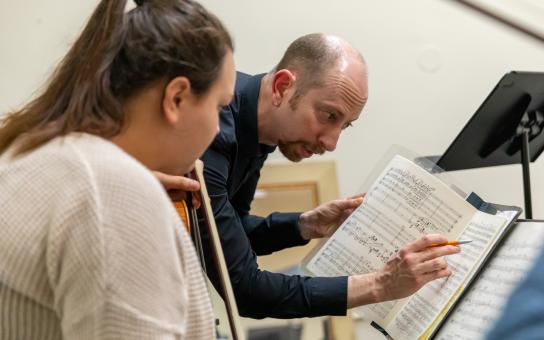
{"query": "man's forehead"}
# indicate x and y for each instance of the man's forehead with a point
(343, 93)
(351, 78)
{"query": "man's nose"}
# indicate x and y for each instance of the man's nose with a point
(329, 139)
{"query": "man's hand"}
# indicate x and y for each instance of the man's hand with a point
(326, 218)
(176, 186)
(405, 273)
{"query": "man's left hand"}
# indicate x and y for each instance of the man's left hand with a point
(326, 218)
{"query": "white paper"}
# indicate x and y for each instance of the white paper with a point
(425, 306)
(484, 301)
(402, 204)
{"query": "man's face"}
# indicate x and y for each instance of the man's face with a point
(313, 121)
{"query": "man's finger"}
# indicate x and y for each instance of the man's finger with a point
(350, 203)
(358, 196)
(425, 242)
(437, 274)
(437, 251)
(431, 266)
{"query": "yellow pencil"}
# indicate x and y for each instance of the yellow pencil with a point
(451, 243)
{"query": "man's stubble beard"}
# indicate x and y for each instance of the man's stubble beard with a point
(288, 150)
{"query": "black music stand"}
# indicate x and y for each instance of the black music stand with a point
(506, 129)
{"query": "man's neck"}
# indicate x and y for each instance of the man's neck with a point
(265, 112)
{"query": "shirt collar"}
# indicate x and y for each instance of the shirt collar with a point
(248, 133)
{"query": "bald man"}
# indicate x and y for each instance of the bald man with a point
(315, 92)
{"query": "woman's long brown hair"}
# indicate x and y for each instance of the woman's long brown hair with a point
(116, 55)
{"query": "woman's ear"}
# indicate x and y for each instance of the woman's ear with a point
(283, 79)
(177, 94)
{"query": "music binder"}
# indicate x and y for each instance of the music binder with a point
(404, 202)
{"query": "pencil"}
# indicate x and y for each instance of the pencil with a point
(451, 243)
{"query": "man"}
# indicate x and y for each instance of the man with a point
(316, 91)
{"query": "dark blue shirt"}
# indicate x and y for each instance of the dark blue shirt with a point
(232, 167)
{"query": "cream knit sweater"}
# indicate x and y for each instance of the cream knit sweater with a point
(91, 248)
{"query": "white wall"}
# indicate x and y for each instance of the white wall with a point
(431, 63)
(34, 35)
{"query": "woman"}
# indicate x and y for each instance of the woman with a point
(91, 246)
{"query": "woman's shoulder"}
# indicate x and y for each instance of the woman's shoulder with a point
(127, 193)
(93, 174)
(111, 168)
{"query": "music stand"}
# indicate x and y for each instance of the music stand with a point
(506, 129)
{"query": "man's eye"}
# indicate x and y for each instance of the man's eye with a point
(346, 126)
(331, 116)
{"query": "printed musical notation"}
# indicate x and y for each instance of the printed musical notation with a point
(337, 260)
(429, 301)
(483, 302)
(403, 203)
(406, 194)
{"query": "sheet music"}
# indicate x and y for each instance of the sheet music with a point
(483, 302)
(403, 203)
(426, 305)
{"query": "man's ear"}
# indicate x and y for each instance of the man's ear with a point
(177, 94)
(283, 79)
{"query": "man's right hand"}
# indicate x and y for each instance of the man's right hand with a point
(405, 273)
